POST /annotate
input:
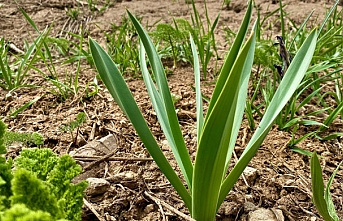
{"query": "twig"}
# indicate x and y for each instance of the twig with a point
(91, 208)
(92, 135)
(99, 160)
(244, 138)
(93, 158)
(169, 207)
(287, 213)
(63, 27)
(161, 209)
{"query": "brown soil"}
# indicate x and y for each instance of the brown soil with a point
(283, 180)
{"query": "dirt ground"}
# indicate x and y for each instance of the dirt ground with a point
(282, 181)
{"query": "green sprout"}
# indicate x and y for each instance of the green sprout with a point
(80, 119)
(322, 198)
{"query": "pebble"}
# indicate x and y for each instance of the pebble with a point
(263, 214)
(97, 186)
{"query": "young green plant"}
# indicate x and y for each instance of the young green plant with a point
(76, 124)
(15, 74)
(322, 198)
(206, 180)
(121, 43)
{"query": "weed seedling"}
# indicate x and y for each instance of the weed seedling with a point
(73, 13)
(14, 73)
(121, 43)
(76, 124)
(322, 196)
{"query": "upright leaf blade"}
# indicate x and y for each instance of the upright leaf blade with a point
(287, 87)
(199, 107)
(210, 161)
(231, 57)
(116, 85)
(327, 195)
(242, 96)
(175, 137)
(318, 188)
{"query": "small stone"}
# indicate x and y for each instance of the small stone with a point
(124, 176)
(301, 111)
(249, 206)
(149, 208)
(97, 186)
(9, 97)
(250, 174)
(263, 214)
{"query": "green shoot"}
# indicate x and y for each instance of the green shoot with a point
(24, 107)
(76, 124)
(73, 13)
(322, 198)
(92, 92)
(11, 77)
(204, 37)
(121, 46)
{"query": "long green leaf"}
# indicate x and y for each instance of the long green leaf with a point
(287, 87)
(231, 57)
(299, 30)
(332, 117)
(318, 188)
(210, 161)
(242, 97)
(25, 106)
(157, 103)
(328, 16)
(6, 71)
(177, 142)
(116, 85)
(47, 50)
(199, 106)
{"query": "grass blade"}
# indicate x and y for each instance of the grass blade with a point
(299, 30)
(328, 16)
(327, 196)
(22, 108)
(331, 117)
(301, 151)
